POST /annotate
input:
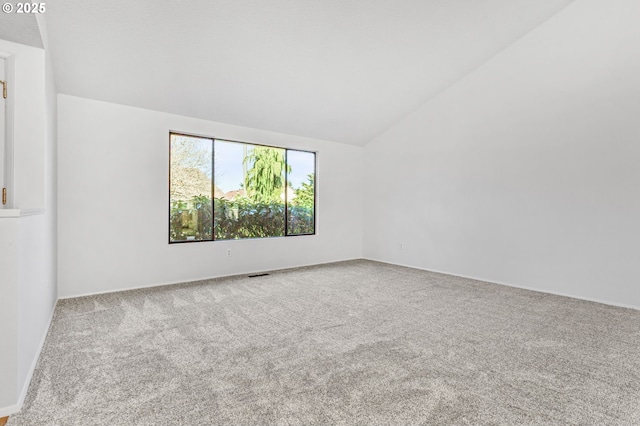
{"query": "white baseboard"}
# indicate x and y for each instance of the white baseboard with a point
(13, 409)
(195, 280)
(7, 411)
(572, 296)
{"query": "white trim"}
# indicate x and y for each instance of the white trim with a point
(13, 409)
(9, 213)
(537, 290)
(196, 280)
(9, 67)
(20, 212)
(8, 411)
(31, 212)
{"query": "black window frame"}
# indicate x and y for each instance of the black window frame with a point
(286, 186)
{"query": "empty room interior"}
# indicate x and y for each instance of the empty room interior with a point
(243, 212)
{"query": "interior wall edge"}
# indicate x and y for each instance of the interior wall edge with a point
(202, 280)
(502, 283)
(34, 363)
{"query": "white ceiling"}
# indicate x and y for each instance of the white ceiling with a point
(341, 70)
(19, 27)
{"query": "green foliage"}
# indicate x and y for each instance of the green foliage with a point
(305, 194)
(237, 219)
(242, 218)
(264, 181)
(300, 214)
(300, 220)
(190, 220)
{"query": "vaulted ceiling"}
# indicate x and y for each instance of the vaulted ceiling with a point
(337, 70)
(20, 28)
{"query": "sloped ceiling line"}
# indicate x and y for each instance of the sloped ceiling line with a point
(342, 71)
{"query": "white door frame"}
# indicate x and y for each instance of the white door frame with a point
(9, 77)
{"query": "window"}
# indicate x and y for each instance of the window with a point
(226, 190)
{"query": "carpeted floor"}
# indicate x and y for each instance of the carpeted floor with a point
(348, 343)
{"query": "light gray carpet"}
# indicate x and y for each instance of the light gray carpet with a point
(348, 343)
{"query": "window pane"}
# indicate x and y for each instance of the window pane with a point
(190, 189)
(301, 192)
(249, 199)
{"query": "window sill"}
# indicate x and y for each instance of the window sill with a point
(13, 213)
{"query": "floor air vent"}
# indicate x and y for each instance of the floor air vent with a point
(257, 275)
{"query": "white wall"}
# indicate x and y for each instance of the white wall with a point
(28, 297)
(8, 315)
(27, 234)
(26, 75)
(527, 171)
(38, 291)
(50, 173)
(35, 299)
(113, 205)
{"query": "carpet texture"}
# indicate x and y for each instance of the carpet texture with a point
(356, 342)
